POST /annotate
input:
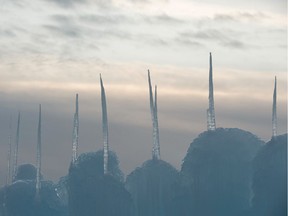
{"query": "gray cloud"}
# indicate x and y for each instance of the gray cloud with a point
(163, 19)
(105, 19)
(72, 3)
(66, 31)
(222, 37)
(147, 1)
(241, 16)
(187, 41)
(7, 33)
(68, 3)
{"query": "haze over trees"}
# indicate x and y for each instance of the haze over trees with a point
(226, 171)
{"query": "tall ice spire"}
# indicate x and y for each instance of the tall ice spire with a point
(8, 177)
(157, 147)
(154, 116)
(274, 110)
(211, 124)
(75, 133)
(15, 159)
(38, 159)
(105, 127)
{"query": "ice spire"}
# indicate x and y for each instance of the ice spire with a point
(38, 159)
(211, 124)
(15, 162)
(75, 133)
(105, 127)
(274, 110)
(8, 177)
(157, 147)
(154, 116)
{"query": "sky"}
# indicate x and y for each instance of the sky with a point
(52, 49)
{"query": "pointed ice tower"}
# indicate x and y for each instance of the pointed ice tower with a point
(105, 127)
(274, 110)
(154, 116)
(75, 133)
(157, 147)
(8, 177)
(15, 159)
(211, 124)
(38, 159)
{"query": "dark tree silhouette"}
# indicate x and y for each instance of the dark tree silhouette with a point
(270, 179)
(19, 198)
(217, 173)
(152, 188)
(93, 193)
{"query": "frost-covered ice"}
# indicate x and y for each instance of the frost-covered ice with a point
(211, 123)
(274, 110)
(75, 132)
(15, 159)
(105, 127)
(154, 117)
(38, 161)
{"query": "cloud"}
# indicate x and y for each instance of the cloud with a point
(72, 3)
(163, 19)
(147, 1)
(223, 37)
(7, 33)
(68, 3)
(105, 19)
(188, 41)
(66, 31)
(241, 17)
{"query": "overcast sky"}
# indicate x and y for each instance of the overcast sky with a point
(52, 49)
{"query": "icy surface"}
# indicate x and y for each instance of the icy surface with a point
(274, 110)
(154, 117)
(211, 123)
(38, 161)
(75, 132)
(15, 159)
(105, 127)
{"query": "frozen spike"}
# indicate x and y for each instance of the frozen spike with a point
(8, 177)
(15, 162)
(153, 109)
(211, 123)
(38, 158)
(105, 127)
(151, 96)
(75, 142)
(157, 146)
(274, 110)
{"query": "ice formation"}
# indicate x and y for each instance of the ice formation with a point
(15, 163)
(154, 116)
(75, 133)
(38, 161)
(211, 124)
(274, 110)
(105, 127)
(8, 177)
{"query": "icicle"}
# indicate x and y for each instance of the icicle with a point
(105, 127)
(211, 124)
(15, 164)
(151, 97)
(75, 133)
(274, 110)
(38, 161)
(8, 177)
(157, 147)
